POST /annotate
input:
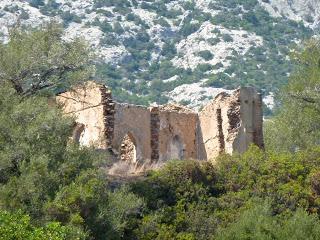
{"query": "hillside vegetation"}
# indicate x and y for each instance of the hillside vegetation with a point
(147, 49)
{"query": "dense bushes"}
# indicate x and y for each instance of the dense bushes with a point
(257, 195)
(258, 222)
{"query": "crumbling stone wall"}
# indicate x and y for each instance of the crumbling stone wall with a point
(177, 137)
(137, 134)
(86, 105)
(231, 122)
(133, 120)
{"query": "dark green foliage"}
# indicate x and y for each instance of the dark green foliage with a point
(259, 223)
(117, 28)
(192, 200)
(24, 15)
(206, 55)
(227, 38)
(189, 28)
(106, 27)
(69, 17)
(111, 3)
(36, 3)
(51, 8)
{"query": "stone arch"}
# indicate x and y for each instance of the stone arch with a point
(176, 148)
(128, 149)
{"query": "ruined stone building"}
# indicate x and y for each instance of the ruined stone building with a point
(230, 123)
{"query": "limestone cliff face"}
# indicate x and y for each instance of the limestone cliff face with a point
(139, 135)
(297, 10)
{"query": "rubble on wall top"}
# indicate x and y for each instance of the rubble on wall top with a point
(173, 107)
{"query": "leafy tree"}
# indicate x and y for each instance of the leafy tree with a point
(39, 59)
(47, 177)
(297, 124)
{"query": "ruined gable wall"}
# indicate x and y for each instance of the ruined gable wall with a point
(85, 103)
(136, 121)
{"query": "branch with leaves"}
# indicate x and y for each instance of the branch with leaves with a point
(40, 60)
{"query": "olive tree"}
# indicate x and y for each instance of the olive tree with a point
(35, 60)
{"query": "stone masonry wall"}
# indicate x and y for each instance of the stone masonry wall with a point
(177, 138)
(231, 123)
(85, 104)
(137, 134)
(133, 120)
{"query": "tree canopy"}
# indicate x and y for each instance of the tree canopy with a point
(297, 123)
(40, 59)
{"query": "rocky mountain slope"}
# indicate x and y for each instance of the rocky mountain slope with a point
(179, 50)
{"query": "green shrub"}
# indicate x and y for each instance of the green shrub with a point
(258, 223)
(18, 226)
(36, 3)
(206, 55)
(227, 38)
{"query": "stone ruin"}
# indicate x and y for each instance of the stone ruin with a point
(139, 134)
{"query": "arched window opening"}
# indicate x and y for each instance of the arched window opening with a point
(128, 149)
(176, 149)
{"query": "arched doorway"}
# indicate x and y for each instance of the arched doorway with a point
(176, 149)
(78, 132)
(128, 149)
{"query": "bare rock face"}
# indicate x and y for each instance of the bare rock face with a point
(143, 136)
(297, 10)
